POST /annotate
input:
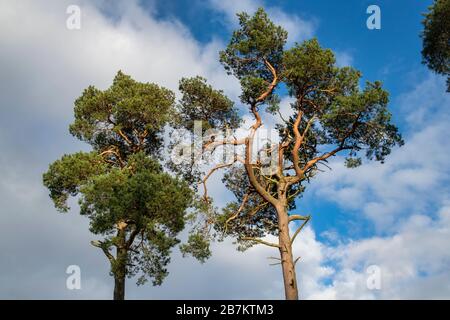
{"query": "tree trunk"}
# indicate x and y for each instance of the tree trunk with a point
(119, 286)
(120, 267)
(287, 259)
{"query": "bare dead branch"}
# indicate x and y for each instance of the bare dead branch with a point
(270, 244)
(105, 250)
(299, 229)
(274, 258)
(294, 217)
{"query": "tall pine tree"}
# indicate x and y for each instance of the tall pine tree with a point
(121, 186)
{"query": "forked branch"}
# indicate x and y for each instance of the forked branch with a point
(220, 166)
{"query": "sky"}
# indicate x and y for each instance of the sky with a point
(394, 216)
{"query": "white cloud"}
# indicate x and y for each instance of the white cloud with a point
(148, 49)
(408, 181)
(427, 102)
(343, 58)
(415, 257)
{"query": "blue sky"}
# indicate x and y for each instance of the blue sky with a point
(339, 25)
(395, 216)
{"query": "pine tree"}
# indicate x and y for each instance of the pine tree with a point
(331, 115)
(120, 184)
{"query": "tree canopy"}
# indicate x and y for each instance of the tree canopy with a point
(436, 38)
(121, 186)
(332, 113)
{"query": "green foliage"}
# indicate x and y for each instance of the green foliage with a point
(122, 114)
(361, 121)
(200, 102)
(353, 162)
(252, 88)
(198, 246)
(65, 176)
(345, 115)
(257, 42)
(154, 257)
(307, 65)
(142, 194)
(436, 38)
(121, 187)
